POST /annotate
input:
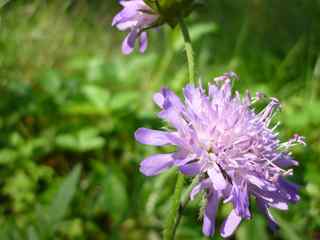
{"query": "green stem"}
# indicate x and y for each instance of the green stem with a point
(188, 48)
(184, 201)
(169, 231)
(175, 214)
(315, 80)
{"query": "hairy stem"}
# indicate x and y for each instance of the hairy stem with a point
(184, 201)
(169, 229)
(188, 48)
(175, 215)
(177, 206)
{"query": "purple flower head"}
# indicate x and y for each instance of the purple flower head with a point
(235, 150)
(135, 17)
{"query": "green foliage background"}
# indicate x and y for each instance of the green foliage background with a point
(70, 103)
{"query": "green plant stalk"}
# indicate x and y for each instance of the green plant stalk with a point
(315, 81)
(184, 201)
(188, 48)
(173, 220)
(174, 217)
(169, 228)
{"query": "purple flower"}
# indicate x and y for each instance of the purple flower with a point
(135, 17)
(235, 150)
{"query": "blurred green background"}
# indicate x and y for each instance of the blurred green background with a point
(70, 103)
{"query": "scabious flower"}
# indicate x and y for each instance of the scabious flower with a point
(235, 150)
(135, 17)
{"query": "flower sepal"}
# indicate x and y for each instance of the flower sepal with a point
(171, 10)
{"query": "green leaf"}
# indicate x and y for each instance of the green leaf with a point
(58, 208)
(98, 96)
(124, 100)
(32, 234)
(7, 156)
(286, 229)
(256, 227)
(3, 3)
(113, 197)
(20, 188)
(84, 140)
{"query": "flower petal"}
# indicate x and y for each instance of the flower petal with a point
(263, 207)
(168, 99)
(210, 214)
(217, 178)
(240, 199)
(143, 42)
(156, 164)
(191, 169)
(286, 161)
(279, 205)
(289, 190)
(261, 183)
(158, 98)
(128, 42)
(205, 184)
(173, 117)
(230, 224)
(193, 97)
(152, 137)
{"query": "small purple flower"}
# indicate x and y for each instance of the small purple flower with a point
(135, 17)
(235, 150)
